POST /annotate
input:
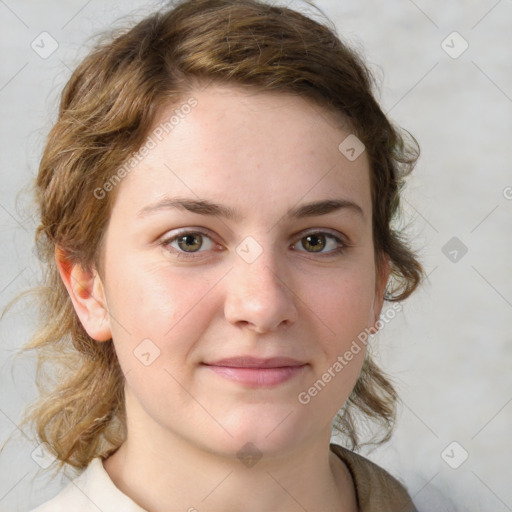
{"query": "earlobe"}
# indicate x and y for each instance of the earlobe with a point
(87, 294)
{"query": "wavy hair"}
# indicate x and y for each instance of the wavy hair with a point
(106, 110)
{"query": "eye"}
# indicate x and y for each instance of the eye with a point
(316, 242)
(189, 242)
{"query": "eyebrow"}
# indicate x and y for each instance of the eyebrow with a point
(205, 207)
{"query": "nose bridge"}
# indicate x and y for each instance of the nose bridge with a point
(259, 295)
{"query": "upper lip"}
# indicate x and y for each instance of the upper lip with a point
(255, 362)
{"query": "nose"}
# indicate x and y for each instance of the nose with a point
(259, 296)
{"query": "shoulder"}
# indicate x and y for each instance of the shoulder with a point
(376, 489)
(91, 491)
(68, 499)
(69, 496)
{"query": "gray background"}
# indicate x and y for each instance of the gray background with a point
(450, 350)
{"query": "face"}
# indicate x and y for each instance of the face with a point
(238, 266)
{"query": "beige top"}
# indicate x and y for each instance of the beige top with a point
(93, 490)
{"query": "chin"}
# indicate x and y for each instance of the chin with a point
(266, 429)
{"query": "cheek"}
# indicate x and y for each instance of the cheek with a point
(169, 308)
(342, 301)
(343, 306)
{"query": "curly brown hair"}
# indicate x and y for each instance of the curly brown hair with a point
(106, 110)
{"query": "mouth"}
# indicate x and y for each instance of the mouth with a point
(256, 372)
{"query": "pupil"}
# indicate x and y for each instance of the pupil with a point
(318, 242)
(187, 242)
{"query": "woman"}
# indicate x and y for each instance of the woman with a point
(216, 203)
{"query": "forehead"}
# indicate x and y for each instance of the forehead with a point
(243, 148)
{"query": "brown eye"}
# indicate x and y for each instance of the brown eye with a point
(322, 243)
(314, 243)
(190, 242)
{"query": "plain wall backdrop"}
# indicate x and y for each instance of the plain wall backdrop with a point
(445, 74)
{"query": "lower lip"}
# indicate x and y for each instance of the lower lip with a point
(258, 377)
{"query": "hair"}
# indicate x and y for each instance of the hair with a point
(106, 111)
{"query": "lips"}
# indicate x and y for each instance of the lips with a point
(257, 372)
(254, 362)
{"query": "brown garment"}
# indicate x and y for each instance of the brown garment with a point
(376, 489)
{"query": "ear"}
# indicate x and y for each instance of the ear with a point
(87, 295)
(383, 271)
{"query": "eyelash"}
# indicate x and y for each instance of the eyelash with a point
(192, 255)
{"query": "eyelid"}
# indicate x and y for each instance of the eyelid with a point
(168, 239)
(186, 231)
(340, 238)
(323, 231)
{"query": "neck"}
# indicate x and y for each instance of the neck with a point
(161, 471)
(192, 483)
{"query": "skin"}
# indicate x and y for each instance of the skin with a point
(260, 155)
